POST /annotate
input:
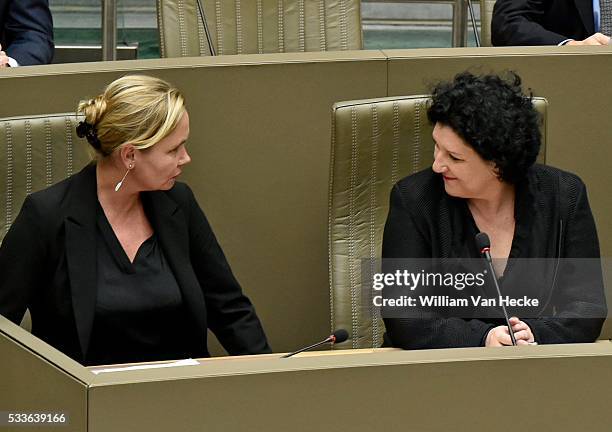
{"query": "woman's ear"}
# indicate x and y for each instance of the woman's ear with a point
(497, 173)
(128, 156)
(495, 170)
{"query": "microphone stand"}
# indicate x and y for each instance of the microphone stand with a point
(473, 17)
(329, 339)
(487, 255)
(211, 47)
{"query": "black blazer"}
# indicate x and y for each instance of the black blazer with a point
(48, 263)
(552, 220)
(26, 31)
(541, 22)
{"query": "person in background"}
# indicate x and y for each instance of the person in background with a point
(118, 263)
(26, 33)
(551, 22)
(484, 179)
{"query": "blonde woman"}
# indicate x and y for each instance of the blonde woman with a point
(118, 263)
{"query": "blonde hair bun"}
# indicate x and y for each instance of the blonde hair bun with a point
(135, 109)
(93, 109)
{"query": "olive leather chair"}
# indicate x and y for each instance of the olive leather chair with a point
(258, 26)
(486, 15)
(36, 152)
(375, 143)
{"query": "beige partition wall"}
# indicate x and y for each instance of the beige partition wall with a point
(560, 388)
(260, 142)
(35, 378)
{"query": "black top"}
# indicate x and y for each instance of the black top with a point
(56, 234)
(140, 314)
(552, 220)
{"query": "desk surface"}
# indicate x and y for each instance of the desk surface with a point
(320, 360)
(564, 388)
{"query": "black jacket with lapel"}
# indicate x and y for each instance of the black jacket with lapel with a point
(553, 220)
(48, 263)
(541, 22)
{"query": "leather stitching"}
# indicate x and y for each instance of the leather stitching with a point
(322, 26)
(330, 219)
(28, 138)
(281, 29)
(416, 145)
(238, 28)
(343, 25)
(219, 27)
(162, 32)
(373, 181)
(202, 45)
(9, 177)
(301, 27)
(259, 27)
(69, 147)
(181, 21)
(48, 153)
(351, 239)
(395, 148)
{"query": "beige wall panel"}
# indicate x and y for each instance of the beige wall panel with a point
(397, 391)
(31, 384)
(260, 143)
(262, 152)
(575, 82)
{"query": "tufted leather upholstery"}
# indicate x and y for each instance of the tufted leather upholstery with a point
(258, 26)
(486, 14)
(375, 143)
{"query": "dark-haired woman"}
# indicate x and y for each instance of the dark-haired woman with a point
(484, 179)
(118, 263)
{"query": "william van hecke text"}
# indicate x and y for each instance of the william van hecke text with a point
(448, 301)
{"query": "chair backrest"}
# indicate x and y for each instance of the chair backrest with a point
(486, 15)
(375, 143)
(36, 152)
(258, 26)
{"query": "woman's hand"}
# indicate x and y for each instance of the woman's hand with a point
(499, 336)
(522, 332)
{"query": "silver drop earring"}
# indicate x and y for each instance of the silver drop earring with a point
(118, 185)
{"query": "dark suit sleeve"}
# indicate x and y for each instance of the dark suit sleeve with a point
(22, 258)
(519, 22)
(406, 236)
(28, 31)
(579, 296)
(231, 316)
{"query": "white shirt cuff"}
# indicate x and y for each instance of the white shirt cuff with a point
(564, 42)
(12, 62)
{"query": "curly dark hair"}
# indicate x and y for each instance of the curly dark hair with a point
(494, 116)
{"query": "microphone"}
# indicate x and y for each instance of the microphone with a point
(484, 246)
(338, 336)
